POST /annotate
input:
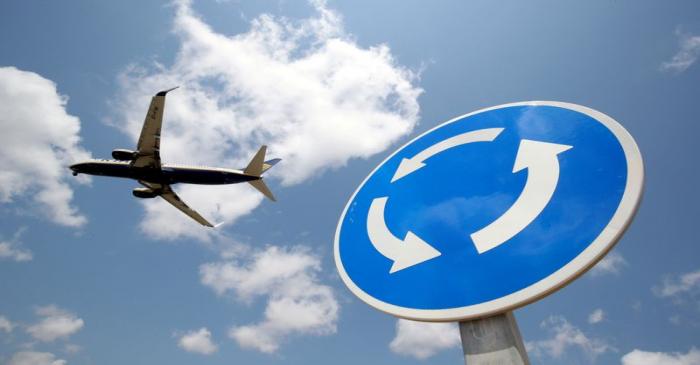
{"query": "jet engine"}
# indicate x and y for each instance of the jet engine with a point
(144, 193)
(124, 155)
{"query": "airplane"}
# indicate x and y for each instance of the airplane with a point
(144, 165)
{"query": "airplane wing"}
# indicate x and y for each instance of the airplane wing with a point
(167, 193)
(148, 147)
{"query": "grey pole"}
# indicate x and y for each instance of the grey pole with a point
(493, 341)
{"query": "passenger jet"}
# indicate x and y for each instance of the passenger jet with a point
(144, 165)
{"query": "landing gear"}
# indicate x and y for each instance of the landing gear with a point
(75, 173)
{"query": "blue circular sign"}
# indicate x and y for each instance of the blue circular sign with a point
(489, 211)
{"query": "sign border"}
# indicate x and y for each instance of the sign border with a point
(595, 251)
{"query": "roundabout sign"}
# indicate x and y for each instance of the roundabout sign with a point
(489, 211)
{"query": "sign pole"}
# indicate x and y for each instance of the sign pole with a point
(493, 340)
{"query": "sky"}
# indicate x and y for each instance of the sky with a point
(91, 275)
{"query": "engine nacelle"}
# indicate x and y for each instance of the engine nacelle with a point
(144, 193)
(124, 155)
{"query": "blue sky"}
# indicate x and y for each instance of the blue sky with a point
(91, 275)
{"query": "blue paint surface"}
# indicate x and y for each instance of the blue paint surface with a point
(465, 188)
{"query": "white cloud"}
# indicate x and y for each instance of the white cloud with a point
(296, 302)
(596, 316)
(612, 263)
(72, 348)
(55, 323)
(35, 358)
(686, 56)
(685, 284)
(9, 249)
(304, 88)
(198, 341)
(6, 325)
(422, 340)
(639, 357)
(565, 336)
(13, 250)
(39, 140)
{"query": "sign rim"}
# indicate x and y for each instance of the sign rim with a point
(585, 260)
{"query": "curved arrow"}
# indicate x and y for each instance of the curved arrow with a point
(540, 158)
(409, 165)
(412, 250)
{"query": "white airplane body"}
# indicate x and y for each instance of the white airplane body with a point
(144, 165)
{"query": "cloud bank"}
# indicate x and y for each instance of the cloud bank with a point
(596, 316)
(678, 288)
(55, 323)
(305, 88)
(612, 263)
(565, 336)
(12, 248)
(687, 54)
(35, 358)
(5, 325)
(198, 341)
(422, 339)
(639, 357)
(287, 278)
(39, 140)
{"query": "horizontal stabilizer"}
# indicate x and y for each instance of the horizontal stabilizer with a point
(260, 185)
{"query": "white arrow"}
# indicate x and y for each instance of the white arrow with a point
(540, 158)
(409, 165)
(405, 253)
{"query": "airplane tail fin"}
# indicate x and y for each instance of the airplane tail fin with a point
(256, 167)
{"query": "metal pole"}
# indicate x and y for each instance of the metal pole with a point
(493, 341)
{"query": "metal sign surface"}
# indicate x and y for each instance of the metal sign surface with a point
(489, 211)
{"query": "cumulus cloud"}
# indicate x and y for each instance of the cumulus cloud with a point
(198, 341)
(687, 54)
(35, 358)
(678, 288)
(12, 249)
(297, 303)
(639, 357)
(566, 336)
(72, 348)
(596, 316)
(6, 325)
(55, 323)
(39, 140)
(303, 87)
(422, 339)
(612, 263)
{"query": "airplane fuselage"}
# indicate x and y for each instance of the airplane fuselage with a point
(167, 174)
